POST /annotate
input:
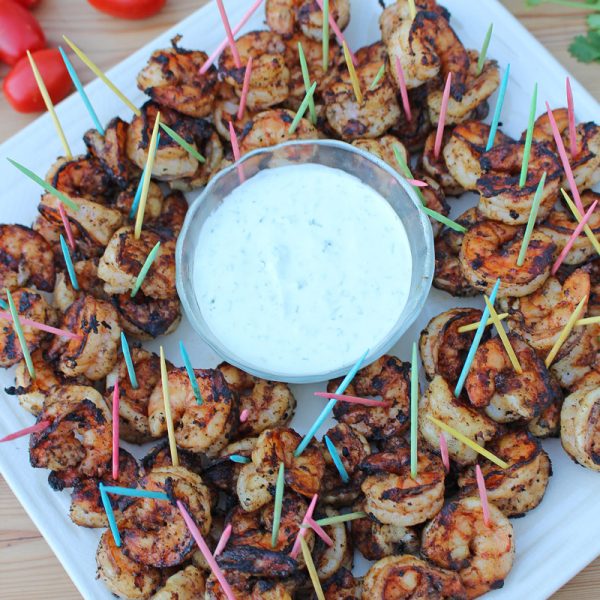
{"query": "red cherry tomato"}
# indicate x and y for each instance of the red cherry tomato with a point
(20, 87)
(19, 32)
(29, 3)
(129, 9)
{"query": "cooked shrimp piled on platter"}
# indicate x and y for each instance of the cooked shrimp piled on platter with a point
(225, 462)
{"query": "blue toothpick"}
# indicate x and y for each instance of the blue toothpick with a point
(69, 263)
(110, 515)
(236, 458)
(128, 362)
(134, 492)
(337, 461)
(190, 372)
(498, 110)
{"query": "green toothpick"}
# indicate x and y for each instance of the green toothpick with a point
(378, 77)
(529, 137)
(183, 143)
(306, 79)
(278, 505)
(484, 49)
(325, 35)
(145, 268)
(19, 331)
(309, 94)
(535, 205)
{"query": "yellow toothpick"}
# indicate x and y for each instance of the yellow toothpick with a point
(587, 321)
(139, 218)
(564, 334)
(48, 102)
(413, 9)
(96, 70)
(474, 326)
(500, 329)
(586, 229)
(353, 75)
(312, 571)
(167, 401)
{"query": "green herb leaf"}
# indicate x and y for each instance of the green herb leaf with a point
(586, 48)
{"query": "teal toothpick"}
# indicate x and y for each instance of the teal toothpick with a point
(128, 361)
(69, 263)
(337, 461)
(134, 492)
(190, 371)
(241, 460)
(110, 515)
(498, 110)
(145, 268)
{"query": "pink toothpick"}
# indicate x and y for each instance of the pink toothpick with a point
(236, 152)
(444, 452)
(574, 236)
(41, 326)
(67, 225)
(244, 415)
(245, 89)
(17, 434)
(208, 557)
(483, 495)
(319, 531)
(309, 513)
(403, 90)
(223, 540)
(338, 32)
(230, 38)
(211, 59)
(571, 113)
(115, 432)
(417, 183)
(442, 120)
(352, 399)
(564, 158)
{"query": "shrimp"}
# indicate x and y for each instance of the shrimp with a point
(580, 426)
(443, 349)
(490, 250)
(463, 150)
(393, 497)
(187, 584)
(393, 15)
(26, 258)
(79, 434)
(502, 198)
(146, 318)
(376, 540)
(448, 275)
(547, 424)
(458, 539)
(433, 197)
(95, 353)
(330, 559)
(88, 281)
(270, 77)
(271, 127)
(134, 425)
(222, 472)
(572, 364)
(172, 215)
(310, 17)
(225, 110)
(268, 404)
(387, 377)
(439, 402)
(383, 148)
(31, 305)
(125, 255)
(342, 585)
(201, 428)
(379, 109)
(153, 531)
(122, 576)
(172, 78)
(244, 586)
(409, 577)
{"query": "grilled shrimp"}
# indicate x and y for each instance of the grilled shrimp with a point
(87, 278)
(571, 365)
(383, 148)
(330, 559)
(501, 197)
(26, 258)
(146, 318)
(154, 200)
(172, 78)
(377, 540)
(560, 225)
(187, 584)
(393, 497)
(379, 109)
(172, 214)
(201, 428)
(95, 353)
(437, 167)
(547, 424)
(30, 305)
(443, 349)
(133, 402)
(244, 586)
(271, 127)
(458, 539)
(221, 472)
(439, 402)
(489, 251)
(409, 577)
(519, 488)
(79, 436)
(448, 275)
(153, 531)
(463, 150)
(268, 404)
(270, 78)
(580, 426)
(124, 257)
(122, 576)
(393, 15)
(225, 110)
(505, 395)
(342, 586)
(434, 198)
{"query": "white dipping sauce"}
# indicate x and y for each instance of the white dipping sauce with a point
(301, 269)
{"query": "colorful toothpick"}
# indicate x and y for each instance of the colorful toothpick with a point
(341, 519)
(145, 268)
(128, 361)
(110, 515)
(167, 403)
(571, 116)
(578, 216)
(309, 513)
(353, 399)
(377, 77)
(587, 321)
(439, 134)
(443, 219)
(307, 84)
(277, 506)
(514, 360)
(190, 372)
(302, 109)
(476, 341)
(337, 31)
(403, 89)
(529, 136)
(474, 326)
(484, 49)
(414, 410)
(564, 334)
(325, 34)
(337, 461)
(353, 75)
(232, 45)
(312, 571)
(319, 531)
(412, 9)
(84, 97)
(444, 452)
(147, 177)
(223, 540)
(135, 492)
(241, 460)
(329, 407)
(237, 156)
(96, 70)
(138, 195)
(182, 142)
(535, 205)
(69, 263)
(115, 431)
(49, 106)
(498, 109)
(23, 432)
(66, 225)
(483, 495)
(245, 89)
(41, 326)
